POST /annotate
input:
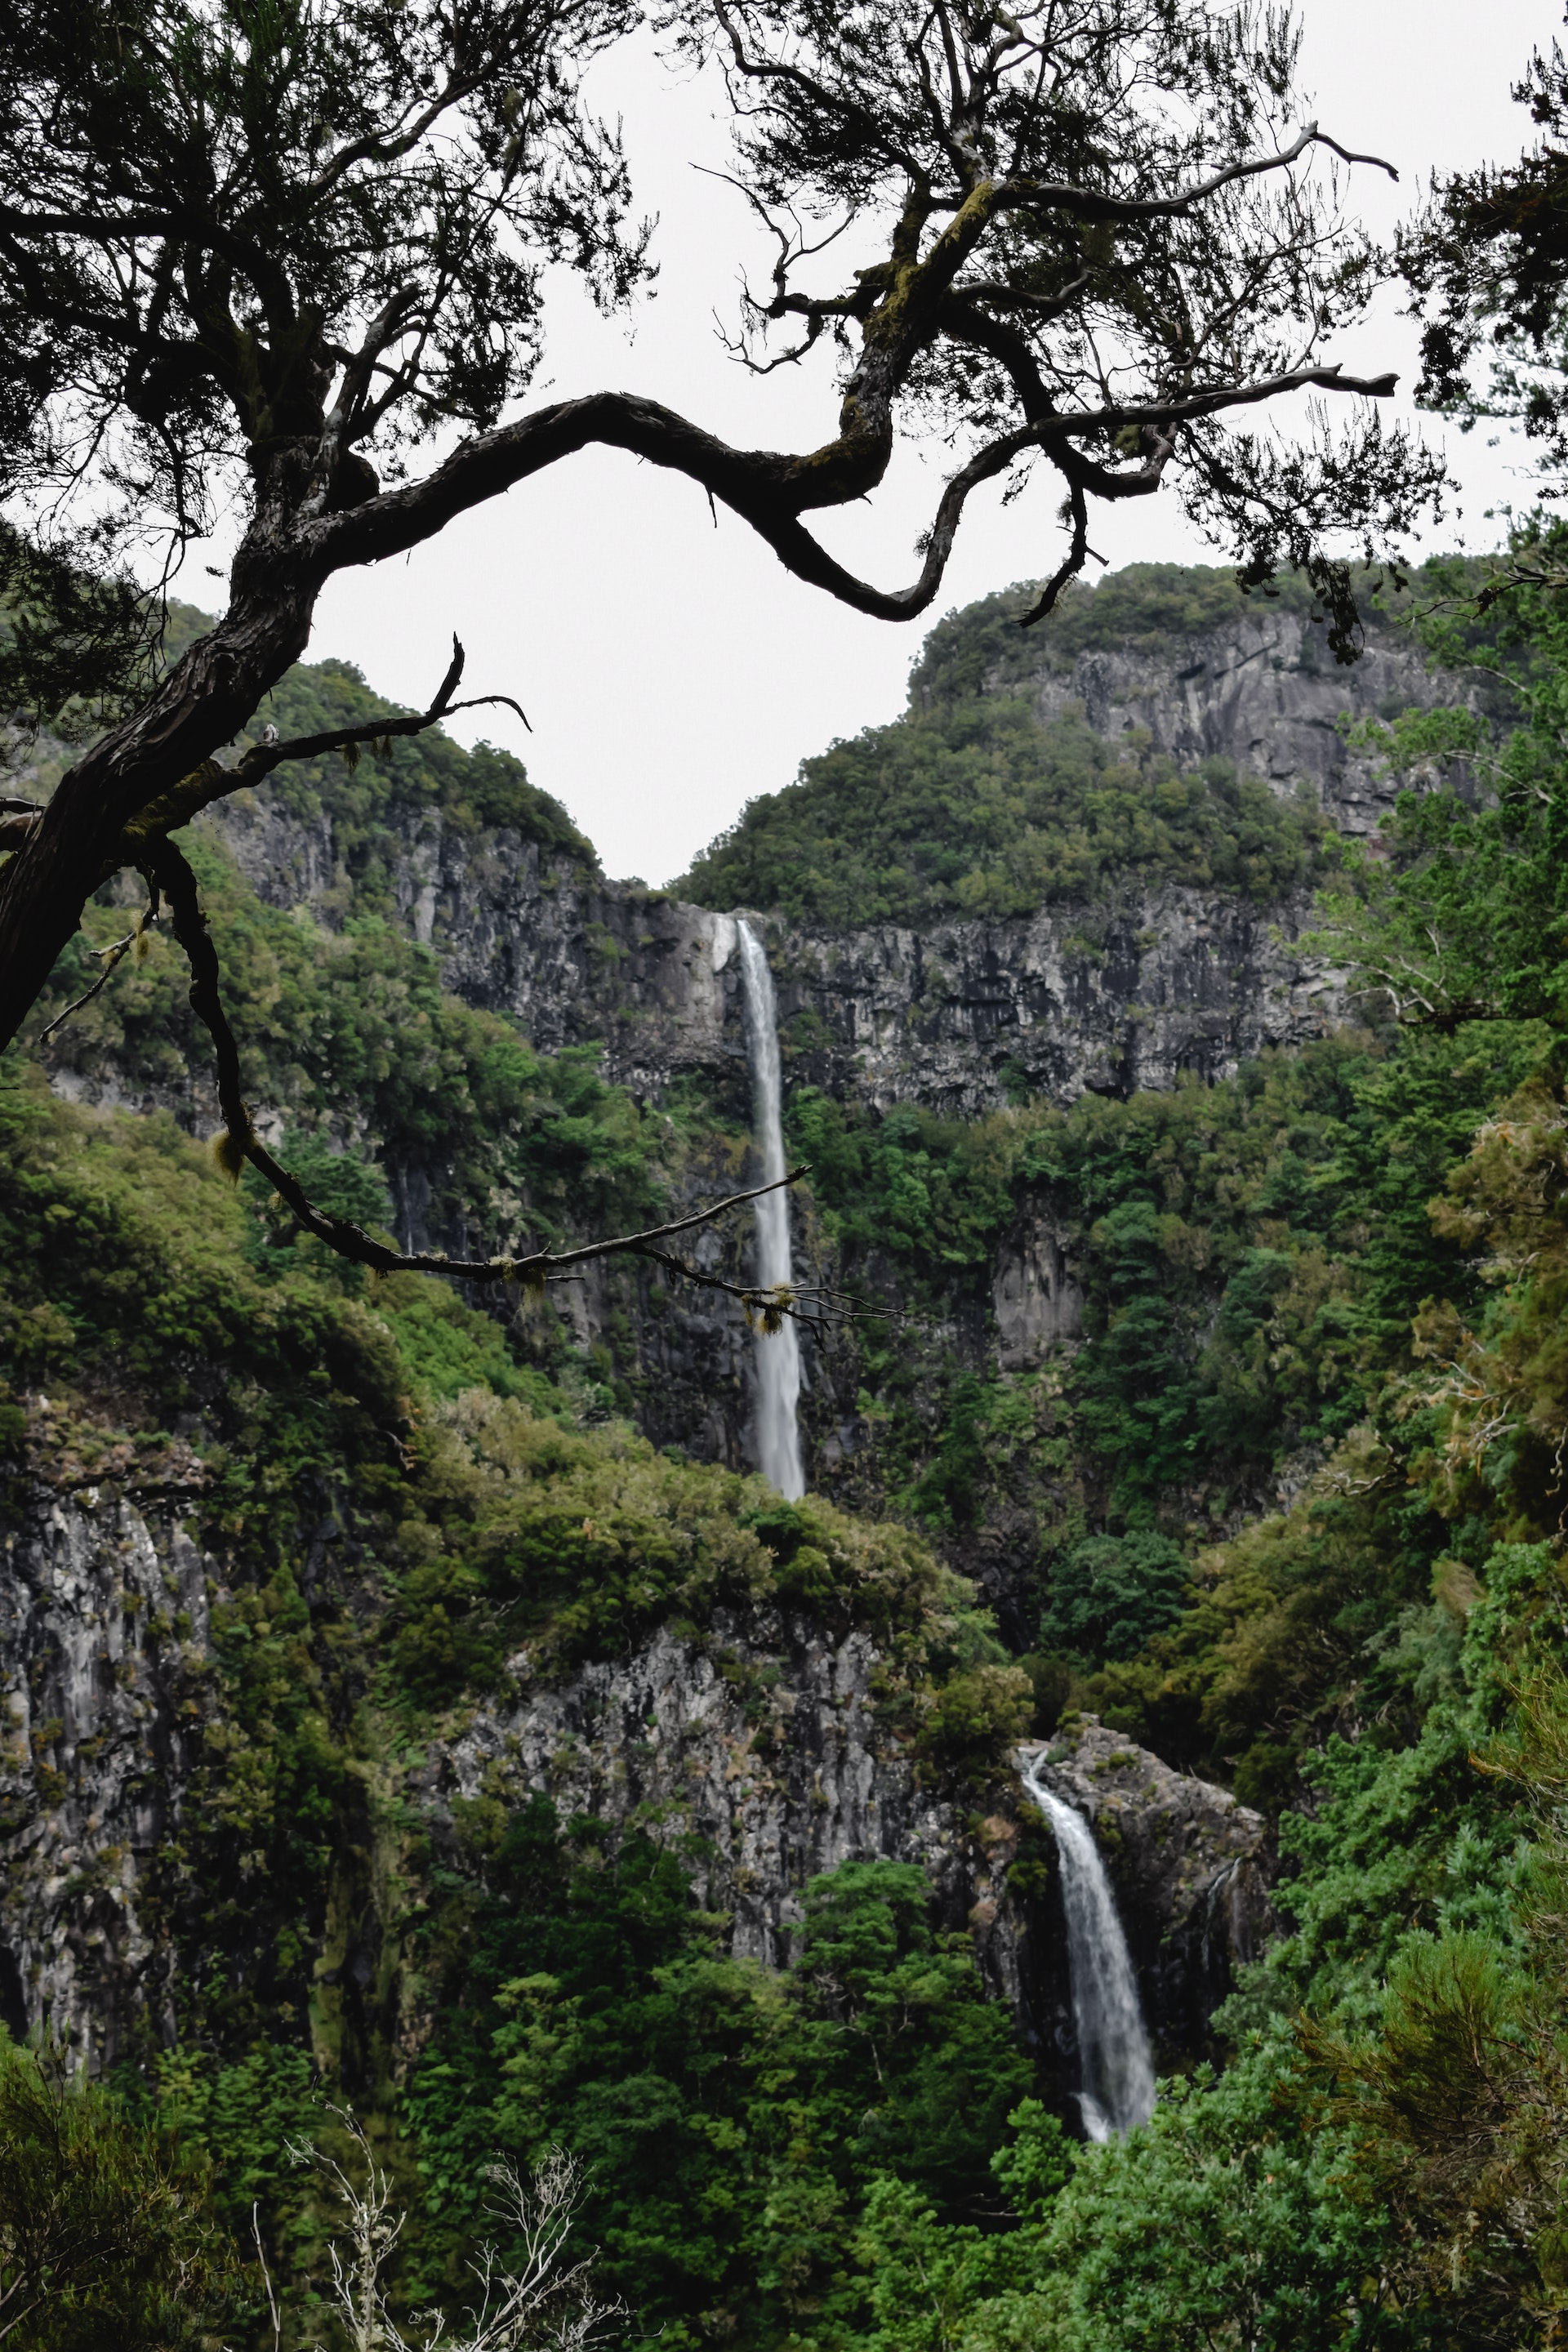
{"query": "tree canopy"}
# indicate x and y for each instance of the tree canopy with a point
(287, 264)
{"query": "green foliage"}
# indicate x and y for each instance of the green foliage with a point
(734, 2122)
(1111, 1593)
(934, 1192)
(1461, 913)
(976, 1717)
(76, 644)
(979, 807)
(102, 2236)
(579, 1546)
(353, 1027)
(1142, 608)
(372, 801)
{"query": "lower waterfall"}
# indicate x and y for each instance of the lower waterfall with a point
(1113, 2053)
(778, 1354)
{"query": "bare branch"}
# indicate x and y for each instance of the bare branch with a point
(212, 782)
(239, 1142)
(112, 957)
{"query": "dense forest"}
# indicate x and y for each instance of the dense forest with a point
(1295, 1523)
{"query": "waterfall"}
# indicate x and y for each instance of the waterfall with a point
(778, 1354)
(1113, 2052)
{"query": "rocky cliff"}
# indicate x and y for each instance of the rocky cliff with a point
(760, 1744)
(1135, 989)
(763, 1739)
(1130, 992)
(1262, 691)
(957, 1017)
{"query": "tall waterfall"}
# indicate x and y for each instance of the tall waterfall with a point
(778, 1354)
(1114, 2058)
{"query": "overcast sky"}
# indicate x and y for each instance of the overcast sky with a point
(672, 670)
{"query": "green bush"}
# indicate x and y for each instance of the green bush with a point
(976, 1717)
(104, 2238)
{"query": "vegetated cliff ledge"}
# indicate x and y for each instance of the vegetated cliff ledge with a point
(1142, 980)
(960, 1018)
(759, 1741)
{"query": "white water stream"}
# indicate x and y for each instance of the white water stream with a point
(778, 1353)
(1113, 2053)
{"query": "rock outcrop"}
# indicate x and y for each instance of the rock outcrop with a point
(103, 1632)
(1189, 1867)
(1263, 691)
(761, 1739)
(958, 1015)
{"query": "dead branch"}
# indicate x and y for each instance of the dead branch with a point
(212, 782)
(112, 957)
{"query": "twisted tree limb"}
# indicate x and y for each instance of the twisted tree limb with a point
(237, 1142)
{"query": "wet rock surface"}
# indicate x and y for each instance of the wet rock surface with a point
(1189, 1868)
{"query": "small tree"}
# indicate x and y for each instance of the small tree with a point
(533, 2300)
(255, 260)
(102, 2240)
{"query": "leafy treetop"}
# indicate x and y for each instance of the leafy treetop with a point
(253, 261)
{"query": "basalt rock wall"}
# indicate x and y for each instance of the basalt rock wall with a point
(761, 1739)
(958, 1017)
(1264, 692)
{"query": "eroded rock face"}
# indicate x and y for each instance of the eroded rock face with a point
(1187, 1863)
(958, 1014)
(763, 1740)
(1264, 692)
(1037, 1305)
(103, 1616)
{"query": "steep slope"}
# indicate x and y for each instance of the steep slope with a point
(379, 1699)
(390, 932)
(1159, 727)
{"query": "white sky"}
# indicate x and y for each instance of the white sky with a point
(672, 670)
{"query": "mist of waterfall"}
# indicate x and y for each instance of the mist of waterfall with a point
(778, 1353)
(1114, 2057)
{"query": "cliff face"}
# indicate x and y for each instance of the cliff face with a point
(1263, 692)
(956, 1017)
(103, 1634)
(1111, 997)
(761, 1740)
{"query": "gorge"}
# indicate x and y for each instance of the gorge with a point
(585, 1717)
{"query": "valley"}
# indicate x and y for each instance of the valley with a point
(424, 1694)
